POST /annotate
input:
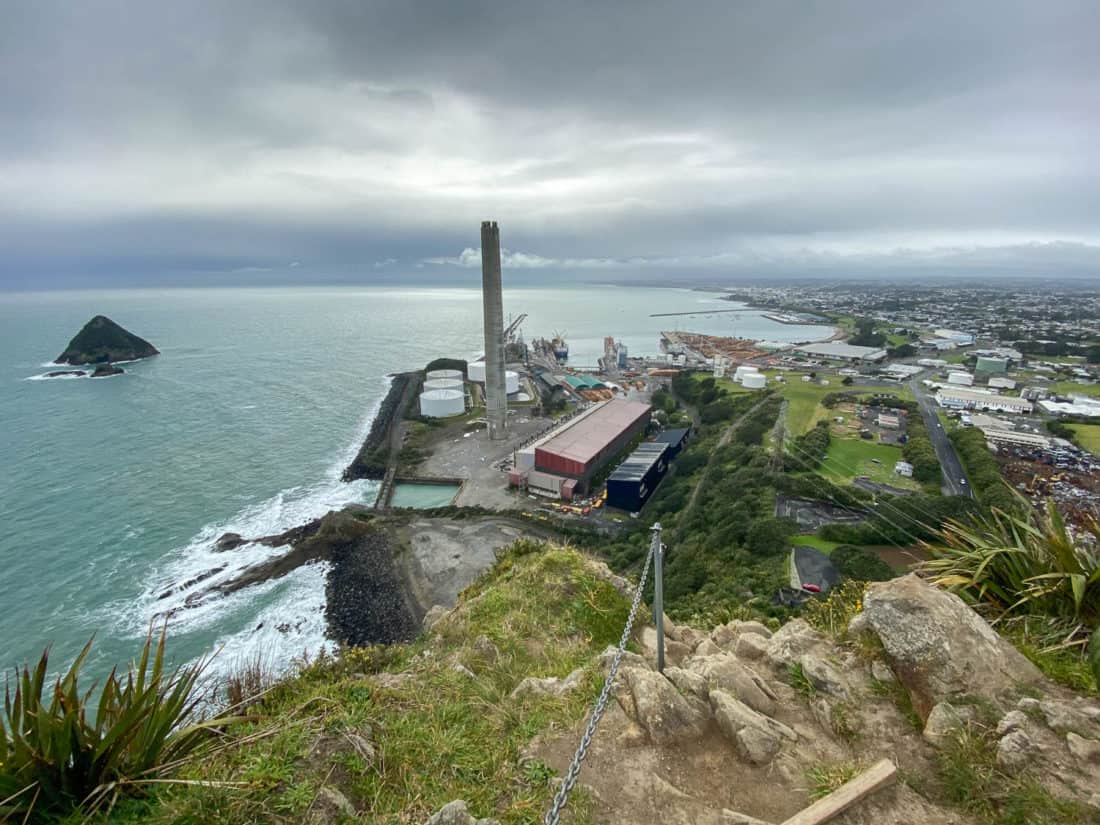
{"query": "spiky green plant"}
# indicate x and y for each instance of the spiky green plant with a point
(57, 755)
(1020, 564)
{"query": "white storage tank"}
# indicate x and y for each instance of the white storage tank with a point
(743, 370)
(443, 384)
(436, 374)
(442, 403)
(476, 371)
(754, 381)
(511, 382)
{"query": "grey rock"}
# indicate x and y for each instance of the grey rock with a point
(229, 541)
(755, 628)
(944, 721)
(465, 671)
(858, 625)
(660, 709)
(1015, 750)
(456, 813)
(707, 648)
(751, 646)
(940, 648)
(756, 737)
(484, 648)
(1013, 720)
(726, 673)
(881, 672)
(1084, 750)
(329, 806)
(688, 682)
(736, 818)
(435, 613)
(823, 676)
(792, 641)
(548, 686)
(1094, 801)
(1062, 718)
(629, 659)
(1028, 705)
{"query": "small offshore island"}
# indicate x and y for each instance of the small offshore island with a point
(102, 342)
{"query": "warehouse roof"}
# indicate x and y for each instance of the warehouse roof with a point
(585, 437)
(834, 350)
(639, 462)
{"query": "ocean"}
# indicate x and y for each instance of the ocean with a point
(114, 489)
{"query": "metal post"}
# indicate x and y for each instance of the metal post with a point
(659, 595)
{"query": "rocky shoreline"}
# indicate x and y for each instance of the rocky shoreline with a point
(368, 599)
(373, 458)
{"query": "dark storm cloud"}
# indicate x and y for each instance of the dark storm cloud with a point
(155, 138)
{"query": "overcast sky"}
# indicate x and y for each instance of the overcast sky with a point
(248, 141)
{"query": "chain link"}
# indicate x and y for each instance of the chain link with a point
(574, 771)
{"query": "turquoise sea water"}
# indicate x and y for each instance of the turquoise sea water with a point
(113, 490)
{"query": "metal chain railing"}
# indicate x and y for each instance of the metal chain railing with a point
(562, 796)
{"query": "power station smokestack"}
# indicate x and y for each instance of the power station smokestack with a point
(496, 400)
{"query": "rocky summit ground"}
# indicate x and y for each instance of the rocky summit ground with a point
(477, 720)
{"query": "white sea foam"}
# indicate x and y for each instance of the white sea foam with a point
(282, 631)
(294, 602)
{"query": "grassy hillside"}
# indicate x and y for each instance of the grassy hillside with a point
(401, 731)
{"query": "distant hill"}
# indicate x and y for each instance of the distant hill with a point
(102, 341)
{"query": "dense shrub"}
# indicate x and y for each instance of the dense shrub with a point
(919, 452)
(860, 563)
(982, 469)
(809, 449)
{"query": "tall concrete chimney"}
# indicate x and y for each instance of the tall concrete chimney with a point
(496, 400)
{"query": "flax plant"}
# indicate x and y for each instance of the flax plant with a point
(58, 754)
(1021, 564)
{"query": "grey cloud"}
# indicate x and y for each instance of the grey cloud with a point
(343, 133)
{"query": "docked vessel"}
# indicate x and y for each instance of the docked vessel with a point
(561, 349)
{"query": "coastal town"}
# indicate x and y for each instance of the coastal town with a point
(592, 444)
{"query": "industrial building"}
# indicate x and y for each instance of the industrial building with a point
(960, 378)
(1077, 405)
(1010, 438)
(1001, 383)
(675, 439)
(633, 481)
(842, 352)
(562, 463)
(961, 398)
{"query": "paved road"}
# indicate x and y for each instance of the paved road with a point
(954, 477)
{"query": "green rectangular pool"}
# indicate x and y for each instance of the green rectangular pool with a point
(422, 496)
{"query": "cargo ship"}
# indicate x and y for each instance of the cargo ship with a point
(561, 349)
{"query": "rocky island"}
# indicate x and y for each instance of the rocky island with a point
(102, 341)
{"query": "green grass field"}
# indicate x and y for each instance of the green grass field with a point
(803, 400)
(1088, 436)
(1073, 388)
(851, 457)
(818, 543)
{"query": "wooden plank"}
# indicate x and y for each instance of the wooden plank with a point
(881, 774)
